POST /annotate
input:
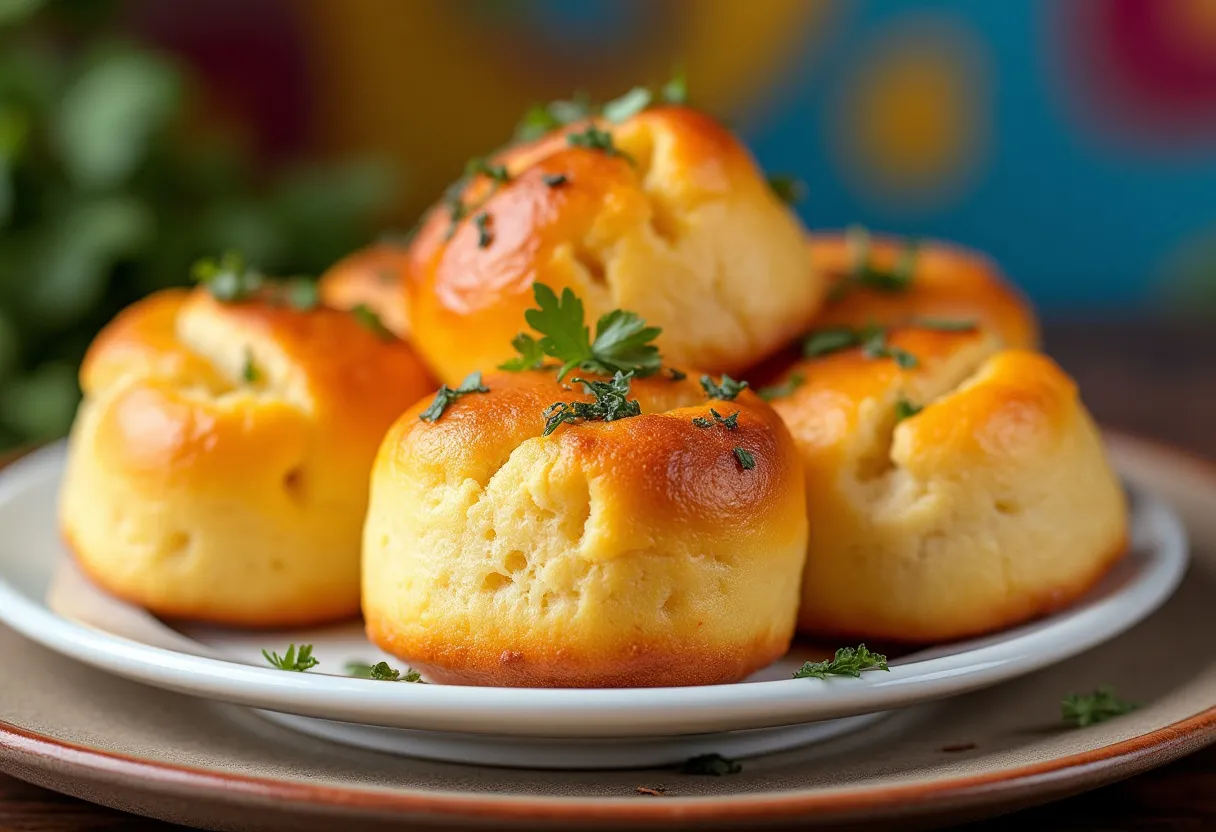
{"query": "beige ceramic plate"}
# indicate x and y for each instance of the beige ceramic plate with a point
(158, 753)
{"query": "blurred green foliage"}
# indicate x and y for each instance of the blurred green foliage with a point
(108, 192)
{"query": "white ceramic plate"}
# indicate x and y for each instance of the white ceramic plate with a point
(38, 586)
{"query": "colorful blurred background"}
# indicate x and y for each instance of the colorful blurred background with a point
(1074, 140)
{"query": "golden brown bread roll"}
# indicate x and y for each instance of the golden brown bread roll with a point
(991, 505)
(946, 281)
(371, 277)
(636, 552)
(218, 466)
(675, 222)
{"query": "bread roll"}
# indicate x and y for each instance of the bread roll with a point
(371, 277)
(218, 466)
(993, 504)
(947, 281)
(637, 552)
(676, 223)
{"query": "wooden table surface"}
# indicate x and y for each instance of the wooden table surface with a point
(1156, 380)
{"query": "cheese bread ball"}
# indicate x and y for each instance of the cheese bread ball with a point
(218, 467)
(673, 221)
(963, 495)
(645, 551)
(947, 282)
(372, 277)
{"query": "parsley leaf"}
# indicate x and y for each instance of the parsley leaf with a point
(382, 672)
(627, 106)
(542, 118)
(1081, 710)
(789, 189)
(250, 372)
(621, 345)
(675, 91)
(612, 402)
(846, 662)
(829, 340)
(676, 375)
(229, 279)
(531, 354)
(446, 395)
(874, 345)
(746, 461)
(479, 166)
(293, 660)
(730, 422)
(780, 391)
(872, 340)
(905, 409)
(593, 138)
(554, 180)
(864, 275)
(726, 391)
(714, 765)
(484, 235)
(367, 318)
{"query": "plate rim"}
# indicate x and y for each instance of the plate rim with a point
(1062, 775)
(760, 705)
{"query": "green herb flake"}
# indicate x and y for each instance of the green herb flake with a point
(864, 275)
(628, 105)
(531, 354)
(874, 345)
(676, 375)
(484, 235)
(623, 342)
(367, 318)
(250, 372)
(789, 189)
(905, 409)
(555, 180)
(730, 422)
(945, 324)
(675, 91)
(229, 279)
(702, 422)
(726, 390)
(746, 461)
(593, 138)
(293, 660)
(1080, 710)
(846, 662)
(713, 765)
(829, 340)
(301, 294)
(780, 391)
(381, 672)
(479, 166)
(612, 402)
(446, 395)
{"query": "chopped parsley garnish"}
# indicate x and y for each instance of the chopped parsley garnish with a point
(746, 461)
(367, 318)
(905, 409)
(230, 280)
(484, 235)
(531, 354)
(726, 390)
(789, 189)
(382, 672)
(846, 662)
(297, 661)
(872, 340)
(250, 372)
(780, 391)
(945, 324)
(622, 340)
(542, 118)
(864, 275)
(1081, 710)
(480, 167)
(730, 422)
(446, 395)
(627, 106)
(612, 402)
(676, 375)
(714, 765)
(593, 138)
(555, 180)
(675, 91)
